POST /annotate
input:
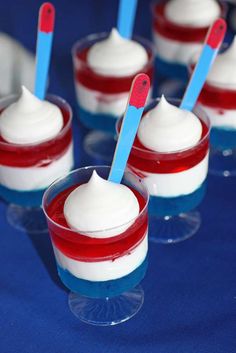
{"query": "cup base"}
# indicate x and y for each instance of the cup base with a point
(222, 162)
(27, 219)
(100, 146)
(171, 70)
(173, 229)
(107, 311)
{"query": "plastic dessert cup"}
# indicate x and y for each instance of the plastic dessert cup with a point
(22, 167)
(219, 103)
(174, 44)
(102, 99)
(176, 182)
(103, 274)
(220, 106)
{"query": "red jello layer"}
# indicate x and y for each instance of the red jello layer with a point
(217, 97)
(87, 249)
(153, 162)
(37, 155)
(174, 31)
(106, 84)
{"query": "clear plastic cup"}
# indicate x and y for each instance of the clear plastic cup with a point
(103, 274)
(219, 103)
(27, 170)
(102, 99)
(176, 182)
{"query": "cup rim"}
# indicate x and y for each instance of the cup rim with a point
(103, 35)
(154, 3)
(177, 152)
(156, 16)
(13, 97)
(94, 167)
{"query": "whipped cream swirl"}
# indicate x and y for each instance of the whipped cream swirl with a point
(97, 207)
(167, 128)
(117, 56)
(192, 13)
(223, 71)
(30, 120)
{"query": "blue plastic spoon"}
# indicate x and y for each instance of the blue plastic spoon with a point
(209, 52)
(44, 45)
(136, 102)
(126, 16)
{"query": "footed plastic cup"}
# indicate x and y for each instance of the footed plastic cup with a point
(27, 170)
(102, 99)
(176, 182)
(220, 105)
(103, 274)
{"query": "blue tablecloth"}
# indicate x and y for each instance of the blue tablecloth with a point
(190, 290)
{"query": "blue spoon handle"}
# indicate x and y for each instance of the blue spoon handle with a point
(209, 52)
(198, 78)
(44, 45)
(42, 63)
(138, 95)
(126, 16)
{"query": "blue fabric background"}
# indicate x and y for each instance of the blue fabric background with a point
(190, 290)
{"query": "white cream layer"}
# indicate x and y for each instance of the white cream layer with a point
(223, 71)
(192, 13)
(102, 103)
(33, 178)
(175, 184)
(104, 270)
(217, 119)
(174, 51)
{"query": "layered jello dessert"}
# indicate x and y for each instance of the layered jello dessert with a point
(35, 146)
(218, 99)
(98, 231)
(104, 67)
(170, 153)
(179, 29)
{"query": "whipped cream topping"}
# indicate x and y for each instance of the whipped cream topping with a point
(117, 56)
(30, 120)
(192, 13)
(223, 71)
(167, 128)
(98, 206)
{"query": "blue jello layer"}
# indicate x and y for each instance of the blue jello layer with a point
(98, 121)
(223, 138)
(105, 288)
(172, 206)
(171, 69)
(22, 198)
